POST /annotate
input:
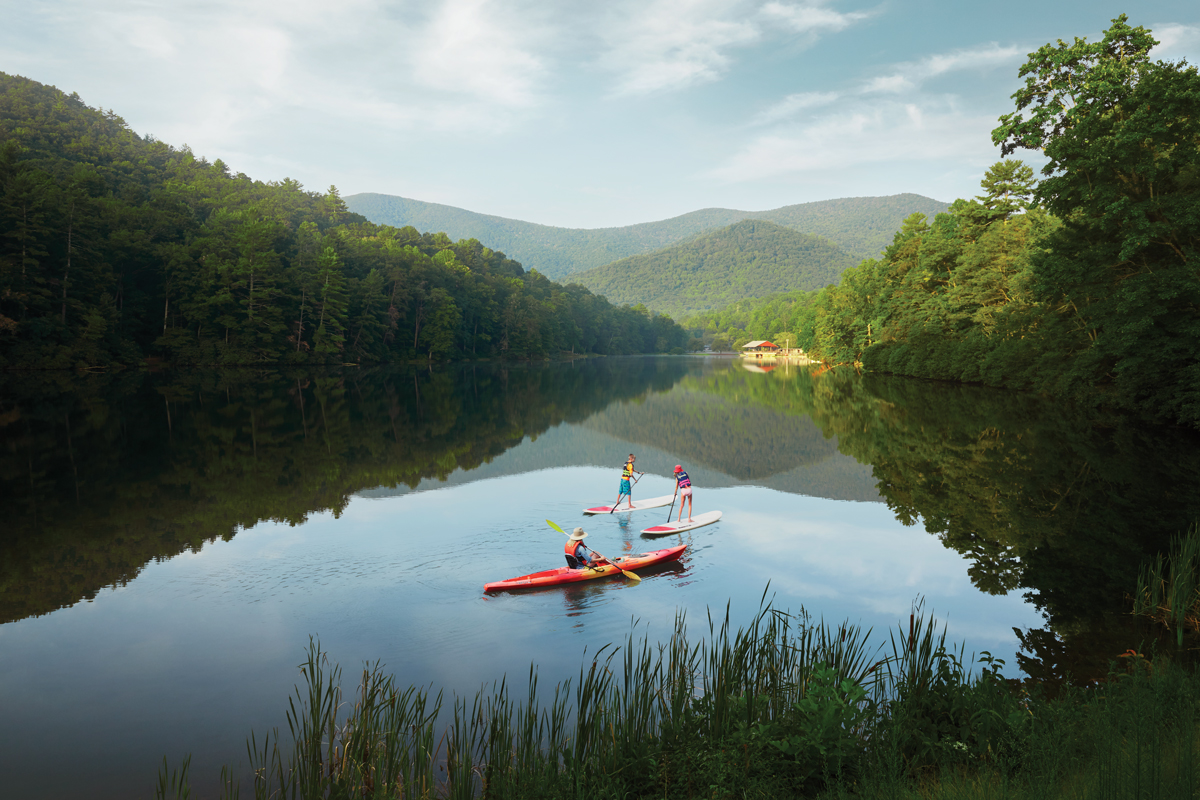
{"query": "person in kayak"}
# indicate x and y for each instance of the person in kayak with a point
(683, 486)
(626, 476)
(577, 553)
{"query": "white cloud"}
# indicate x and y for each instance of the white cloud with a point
(792, 105)
(889, 132)
(811, 18)
(469, 46)
(671, 44)
(1176, 40)
(908, 76)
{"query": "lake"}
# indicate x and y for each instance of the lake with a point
(172, 540)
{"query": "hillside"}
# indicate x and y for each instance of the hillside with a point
(116, 248)
(750, 258)
(862, 226)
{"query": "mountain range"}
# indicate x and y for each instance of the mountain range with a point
(751, 258)
(861, 226)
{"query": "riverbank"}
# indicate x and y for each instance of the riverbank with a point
(781, 708)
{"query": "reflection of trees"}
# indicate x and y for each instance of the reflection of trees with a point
(1037, 495)
(99, 475)
(744, 441)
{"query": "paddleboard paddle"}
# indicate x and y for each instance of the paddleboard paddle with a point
(622, 494)
(626, 573)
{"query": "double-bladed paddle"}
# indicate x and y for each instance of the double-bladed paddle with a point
(626, 573)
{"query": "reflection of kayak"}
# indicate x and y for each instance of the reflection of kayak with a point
(638, 505)
(551, 577)
(698, 521)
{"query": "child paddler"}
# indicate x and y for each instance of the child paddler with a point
(683, 487)
(626, 485)
(577, 553)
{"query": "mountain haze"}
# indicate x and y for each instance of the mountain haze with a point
(750, 258)
(862, 226)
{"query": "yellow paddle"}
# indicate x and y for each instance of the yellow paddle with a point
(626, 573)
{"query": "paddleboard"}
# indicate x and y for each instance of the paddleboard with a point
(698, 521)
(638, 505)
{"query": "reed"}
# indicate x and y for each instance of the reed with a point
(1168, 588)
(784, 706)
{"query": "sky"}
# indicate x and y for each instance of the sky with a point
(574, 113)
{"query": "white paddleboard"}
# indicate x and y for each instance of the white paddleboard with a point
(638, 505)
(698, 521)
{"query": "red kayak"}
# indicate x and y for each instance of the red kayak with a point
(552, 577)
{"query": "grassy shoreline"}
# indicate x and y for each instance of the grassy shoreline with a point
(784, 707)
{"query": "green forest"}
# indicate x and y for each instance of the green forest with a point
(862, 226)
(117, 249)
(747, 259)
(1082, 285)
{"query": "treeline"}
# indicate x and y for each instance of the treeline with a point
(750, 258)
(775, 316)
(115, 248)
(1082, 285)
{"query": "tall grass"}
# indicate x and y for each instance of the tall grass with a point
(785, 706)
(1169, 588)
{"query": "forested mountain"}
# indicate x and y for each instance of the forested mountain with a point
(1083, 285)
(114, 248)
(750, 258)
(862, 226)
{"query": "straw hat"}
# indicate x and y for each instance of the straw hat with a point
(578, 534)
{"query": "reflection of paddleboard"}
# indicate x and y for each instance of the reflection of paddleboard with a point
(638, 505)
(698, 521)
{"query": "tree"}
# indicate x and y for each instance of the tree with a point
(1122, 138)
(330, 335)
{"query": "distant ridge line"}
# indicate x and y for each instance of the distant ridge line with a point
(861, 226)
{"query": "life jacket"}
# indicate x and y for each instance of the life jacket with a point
(573, 561)
(627, 473)
(684, 480)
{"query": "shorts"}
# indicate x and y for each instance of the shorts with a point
(685, 492)
(625, 487)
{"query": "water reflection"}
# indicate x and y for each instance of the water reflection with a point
(232, 515)
(1056, 501)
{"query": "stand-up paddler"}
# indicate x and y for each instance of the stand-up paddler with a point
(683, 486)
(627, 482)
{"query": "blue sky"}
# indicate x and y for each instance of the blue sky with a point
(583, 114)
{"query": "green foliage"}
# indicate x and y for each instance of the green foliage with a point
(748, 259)
(1168, 589)
(678, 720)
(1122, 135)
(861, 226)
(1083, 286)
(786, 315)
(114, 248)
(828, 726)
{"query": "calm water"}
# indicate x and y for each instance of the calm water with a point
(171, 541)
